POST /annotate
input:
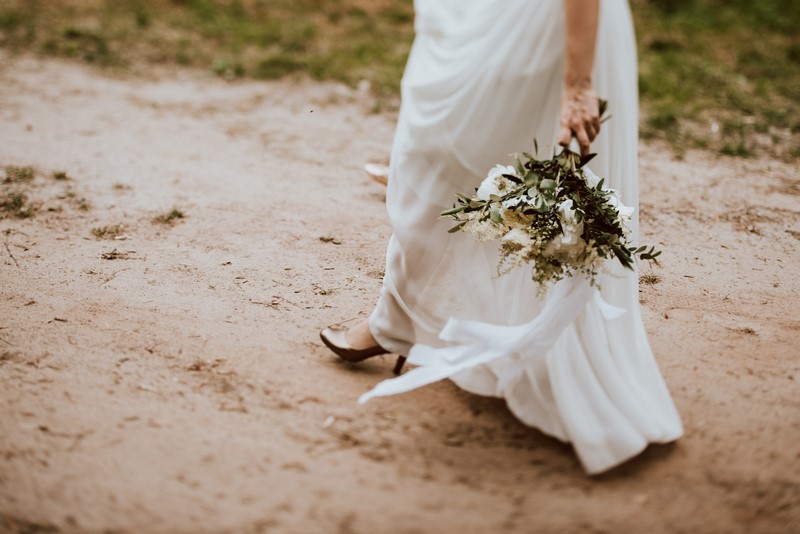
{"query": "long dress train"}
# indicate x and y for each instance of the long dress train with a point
(483, 80)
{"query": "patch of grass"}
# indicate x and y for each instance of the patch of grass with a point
(16, 205)
(169, 217)
(115, 255)
(739, 149)
(705, 63)
(10, 19)
(744, 330)
(202, 365)
(702, 62)
(330, 239)
(319, 290)
(278, 66)
(61, 176)
(649, 279)
(228, 69)
(345, 40)
(89, 45)
(16, 174)
(108, 232)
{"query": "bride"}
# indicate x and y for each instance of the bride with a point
(483, 80)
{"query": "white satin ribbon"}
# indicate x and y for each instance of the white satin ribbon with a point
(472, 343)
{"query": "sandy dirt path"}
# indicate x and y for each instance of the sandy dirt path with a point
(184, 389)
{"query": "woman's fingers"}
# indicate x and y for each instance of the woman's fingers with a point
(583, 140)
(593, 131)
(565, 136)
(583, 133)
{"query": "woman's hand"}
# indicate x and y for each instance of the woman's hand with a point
(580, 116)
(580, 109)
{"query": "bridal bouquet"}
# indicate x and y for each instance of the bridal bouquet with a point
(555, 214)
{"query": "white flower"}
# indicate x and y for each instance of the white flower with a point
(485, 231)
(572, 229)
(565, 250)
(591, 178)
(518, 238)
(625, 212)
(499, 170)
(495, 183)
(514, 202)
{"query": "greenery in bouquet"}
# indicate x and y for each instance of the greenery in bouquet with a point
(555, 214)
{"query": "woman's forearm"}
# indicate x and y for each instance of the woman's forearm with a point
(580, 115)
(581, 32)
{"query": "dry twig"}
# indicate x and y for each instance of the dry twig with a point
(7, 232)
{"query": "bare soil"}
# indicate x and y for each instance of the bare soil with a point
(166, 375)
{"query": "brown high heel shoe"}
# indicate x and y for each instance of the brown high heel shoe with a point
(337, 342)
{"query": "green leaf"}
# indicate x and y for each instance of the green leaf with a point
(456, 228)
(586, 159)
(453, 211)
(518, 165)
(495, 216)
(547, 184)
(602, 104)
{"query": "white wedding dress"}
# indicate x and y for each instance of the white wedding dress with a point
(483, 80)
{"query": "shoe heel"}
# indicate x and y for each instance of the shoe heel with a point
(398, 366)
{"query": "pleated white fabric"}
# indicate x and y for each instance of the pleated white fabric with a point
(483, 80)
